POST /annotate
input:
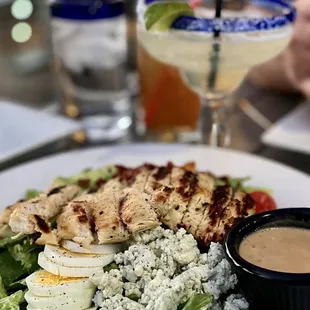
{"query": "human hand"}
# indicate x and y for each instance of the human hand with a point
(290, 71)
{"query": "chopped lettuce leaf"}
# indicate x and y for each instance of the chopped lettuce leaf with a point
(32, 193)
(87, 178)
(9, 241)
(6, 231)
(19, 260)
(18, 285)
(249, 190)
(10, 269)
(12, 302)
(133, 297)
(238, 182)
(110, 267)
(198, 302)
(235, 183)
(2, 289)
(26, 254)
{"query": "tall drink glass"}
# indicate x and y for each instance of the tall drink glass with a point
(213, 51)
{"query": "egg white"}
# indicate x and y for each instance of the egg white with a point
(79, 304)
(82, 298)
(75, 272)
(92, 249)
(62, 257)
(43, 283)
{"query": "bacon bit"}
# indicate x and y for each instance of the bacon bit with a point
(55, 190)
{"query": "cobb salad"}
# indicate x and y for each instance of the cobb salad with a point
(124, 238)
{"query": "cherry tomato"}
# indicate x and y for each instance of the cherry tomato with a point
(195, 3)
(264, 202)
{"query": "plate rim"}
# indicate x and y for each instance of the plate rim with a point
(150, 145)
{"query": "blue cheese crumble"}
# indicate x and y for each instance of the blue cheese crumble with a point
(161, 270)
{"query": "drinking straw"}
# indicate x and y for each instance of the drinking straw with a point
(215, 57)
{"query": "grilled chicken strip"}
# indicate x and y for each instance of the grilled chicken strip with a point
(221, 197)
(6, 215)
(135, 208)
(46, 206)
(105, 206)
(75, 222)
(239, 207)
(137, 212)
(48, 236)
(159, 176)
(184, 184)
(201, 200)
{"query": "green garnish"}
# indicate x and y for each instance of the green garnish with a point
(160, 16)
(110, 267)
(198, 302)
(32, 193)
(88, 178)
(12, 302)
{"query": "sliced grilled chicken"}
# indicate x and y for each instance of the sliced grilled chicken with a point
(177, 177)
(141, 178)
(137, 212)
(159, 176)
(48, 236)
(6, 215)
(184, 184)
(201, 200)
(75, 222)
(221, 198)
(105, 206)
(46, 206)
(206, 181)
(202, 195)
(239, 207)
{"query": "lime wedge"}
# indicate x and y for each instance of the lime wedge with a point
(159, 16)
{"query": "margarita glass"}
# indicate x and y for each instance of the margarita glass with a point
(214, 50)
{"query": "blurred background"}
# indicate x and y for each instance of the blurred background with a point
(74, 76)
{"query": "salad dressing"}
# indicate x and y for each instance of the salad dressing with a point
(283, 249)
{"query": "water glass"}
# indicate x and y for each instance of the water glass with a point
(91, 49)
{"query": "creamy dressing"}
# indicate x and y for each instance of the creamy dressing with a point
(281, 249)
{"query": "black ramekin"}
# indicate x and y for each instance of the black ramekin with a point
(265, 289)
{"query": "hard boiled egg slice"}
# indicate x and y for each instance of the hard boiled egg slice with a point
(78, 304)
(59, 270)
(43, 283)
(92, 249)
(73, 299)
(66, 258)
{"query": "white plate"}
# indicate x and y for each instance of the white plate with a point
(291, 188)
(292, 132)
(23, 129)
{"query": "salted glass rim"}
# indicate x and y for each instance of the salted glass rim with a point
(238, 24)
(86, 9)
